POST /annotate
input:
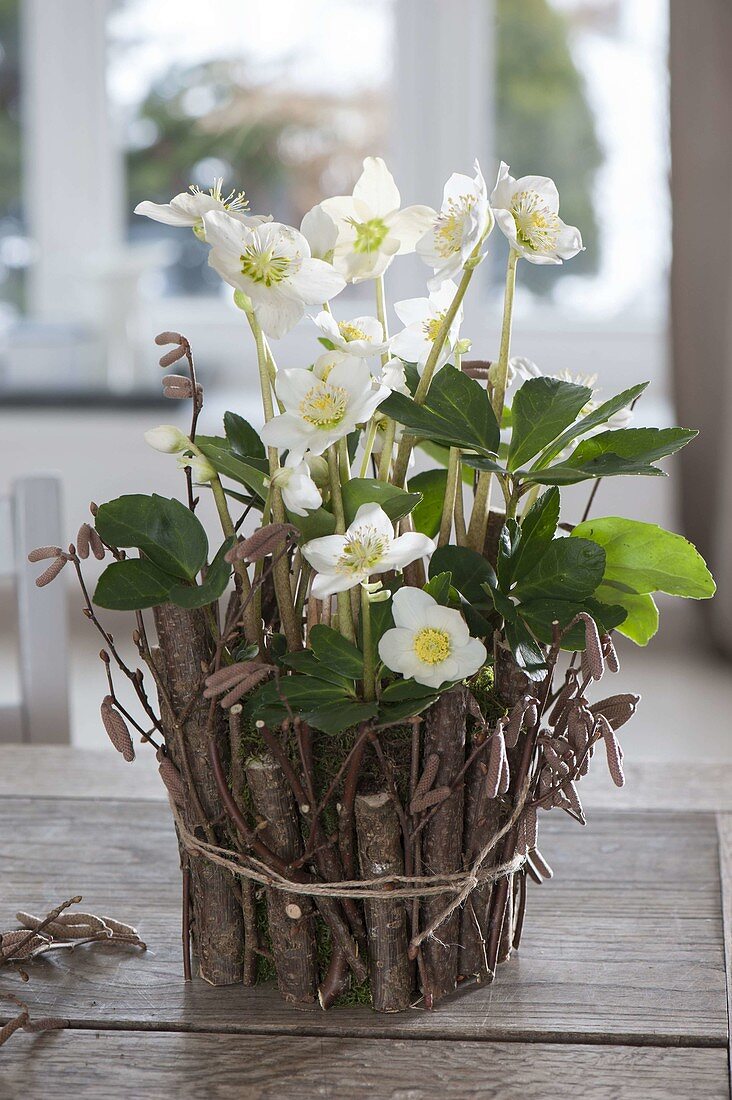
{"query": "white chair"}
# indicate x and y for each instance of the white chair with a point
(31, 516)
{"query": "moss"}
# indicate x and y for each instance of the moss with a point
(265, 967)
(483, 689)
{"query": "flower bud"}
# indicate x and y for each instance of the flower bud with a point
(202, 471)
(167, 438)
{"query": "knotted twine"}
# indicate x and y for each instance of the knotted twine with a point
(389, 887)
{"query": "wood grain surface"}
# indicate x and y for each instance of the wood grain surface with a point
(194, 1067)
(625, 945)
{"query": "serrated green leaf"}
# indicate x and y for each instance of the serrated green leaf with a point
(132, 585)
(469, 570)
(439, 587)
(230, 465)
(336, 652)
(641, 621)
(315, 525)
(306, 663)
(163, 529)
(335, 717)
(541, 409)
(598, 416)
(391, 713)
(537, 531)
(456, 410)
(569, 569)
(643, 558)
(401, 690)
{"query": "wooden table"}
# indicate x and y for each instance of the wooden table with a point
(620, 988)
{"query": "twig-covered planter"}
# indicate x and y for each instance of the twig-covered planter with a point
(361, 707)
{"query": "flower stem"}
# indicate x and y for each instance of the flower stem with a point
(281, 569)
(390, 425)
(252, 625)
(482, 502)
(368, 658)
(451, 490)
(345, 614)
(407, 443)
(368, 446)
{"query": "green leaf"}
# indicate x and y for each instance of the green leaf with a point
(306, 663)
(427, 515)
(456, 410)
(540, 614)
(301, 692)
(646, 445)
(216, 580)
(132, 585)
(469, 571)
(391, 713)
(381, 621)
(598, 416)
(569, 569)
(401, 690)
(641, 621)
(336, 652)
(541, 409)
(230, 465)
(526, 650)
(245, 441)
(366, 490)
(537, 531)
(335, 717)
(161, 528)
(481, 462)
(438, 587)
(642, 558)
(604, 466)
(315, 525)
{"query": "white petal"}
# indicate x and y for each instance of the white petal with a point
(507, 225)
(328, 325)
(316, 281)
(165, 213)
(354, 376)
(292, 385)
(327, 584)
(276, 312)
(503, 191)
(411, 607)
(411, 344)
(320, 231)
(396, 650)
(373, 515)
(412, 311)
(569, 242)
(226, 233)
(409, 225)
(324, 553)
(406, 549)
(543, 186)
(447, 618)
(470, 657)
(288, 432)
(376, 188)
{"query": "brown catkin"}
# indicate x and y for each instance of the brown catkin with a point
(172, 780)
(51, 573)
(515, 722)
(613, 752)
(541, 864)
(566, 694)
(97, 546)
(531, 826)
(263, 542)
(495, 763)
(171, 357)
(617, 709)
(116, 728)
(432, 763)
(573, 798)
(592, 658)
(82, 541)
(429, 798)
(505, 780)
(44, 552)
(610, 652)
(245, 686)
(169, 338)
(226, 677)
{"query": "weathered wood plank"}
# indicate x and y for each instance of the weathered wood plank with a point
(724, 829)
(624, 945)
(261, 1068)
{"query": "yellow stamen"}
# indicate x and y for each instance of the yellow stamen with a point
(362, 552)
(537, 226)
(432, 645)
(324, 405)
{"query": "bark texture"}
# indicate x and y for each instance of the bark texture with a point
(482, 818)
(380, 853)
(217, 929)
(442, 845)
(290, 916)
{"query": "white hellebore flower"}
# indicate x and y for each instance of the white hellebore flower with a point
(371, 227)
(272, 265)
(362, 337)
(318, 412)
(527, 212)
(367, 547)
(188, 208)
(321, 233)
(324, 364)
(423, 318)
(430, 643)
(299, 492)
(167, 438)
(463, 222)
